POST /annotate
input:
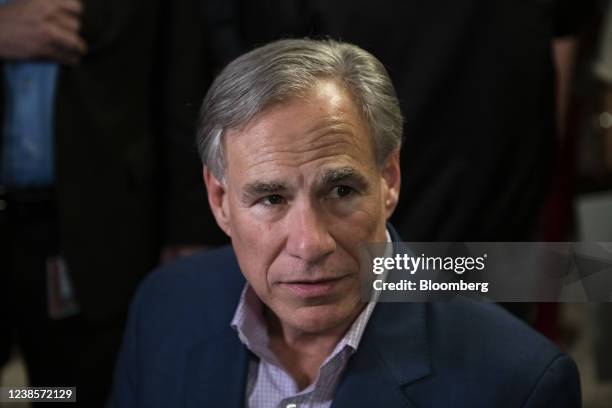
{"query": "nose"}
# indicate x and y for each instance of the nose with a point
(308, 234)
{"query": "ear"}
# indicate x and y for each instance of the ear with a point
(391, 175)
(217, 199)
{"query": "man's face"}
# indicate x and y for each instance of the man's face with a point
(302, 192)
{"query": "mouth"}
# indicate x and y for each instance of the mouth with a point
(314, 288)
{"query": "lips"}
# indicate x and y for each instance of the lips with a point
(313, 288)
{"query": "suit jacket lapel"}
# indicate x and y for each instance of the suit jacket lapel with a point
(216, 372)
(392, 354)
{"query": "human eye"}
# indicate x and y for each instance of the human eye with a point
(342, 192)
(272, 200)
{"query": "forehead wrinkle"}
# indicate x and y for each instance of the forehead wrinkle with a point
(292, 158)
(322, 142)
(340, 132)
(317, 138)
(335, 125)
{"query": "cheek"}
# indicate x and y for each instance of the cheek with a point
(256, 245)
(245, 228)
(361, 225)
(352, 232)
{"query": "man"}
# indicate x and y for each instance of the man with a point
(300, 142)
(83, 211)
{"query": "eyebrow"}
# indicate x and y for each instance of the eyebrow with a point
(329, 177)
(259, 188)
(334, 176)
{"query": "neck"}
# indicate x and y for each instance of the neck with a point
(302, 353)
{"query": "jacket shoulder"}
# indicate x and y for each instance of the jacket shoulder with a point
(177, 307)
(492, 351)
(202, 289)
(486, 328)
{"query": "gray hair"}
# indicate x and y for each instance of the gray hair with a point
(286, 69)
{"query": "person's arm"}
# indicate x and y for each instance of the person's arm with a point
(564, 50)
(603, 70)
(41, 29)
(606, 122)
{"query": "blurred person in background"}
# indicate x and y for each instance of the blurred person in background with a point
(603, 71)
(97, 180)
(571, 20)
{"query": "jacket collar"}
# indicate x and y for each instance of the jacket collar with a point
(393, 354)
(216, 372)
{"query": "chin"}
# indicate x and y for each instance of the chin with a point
(315, 319)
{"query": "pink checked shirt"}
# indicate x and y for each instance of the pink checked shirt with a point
(268, 384)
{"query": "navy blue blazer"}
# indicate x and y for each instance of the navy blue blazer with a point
(179, 350)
